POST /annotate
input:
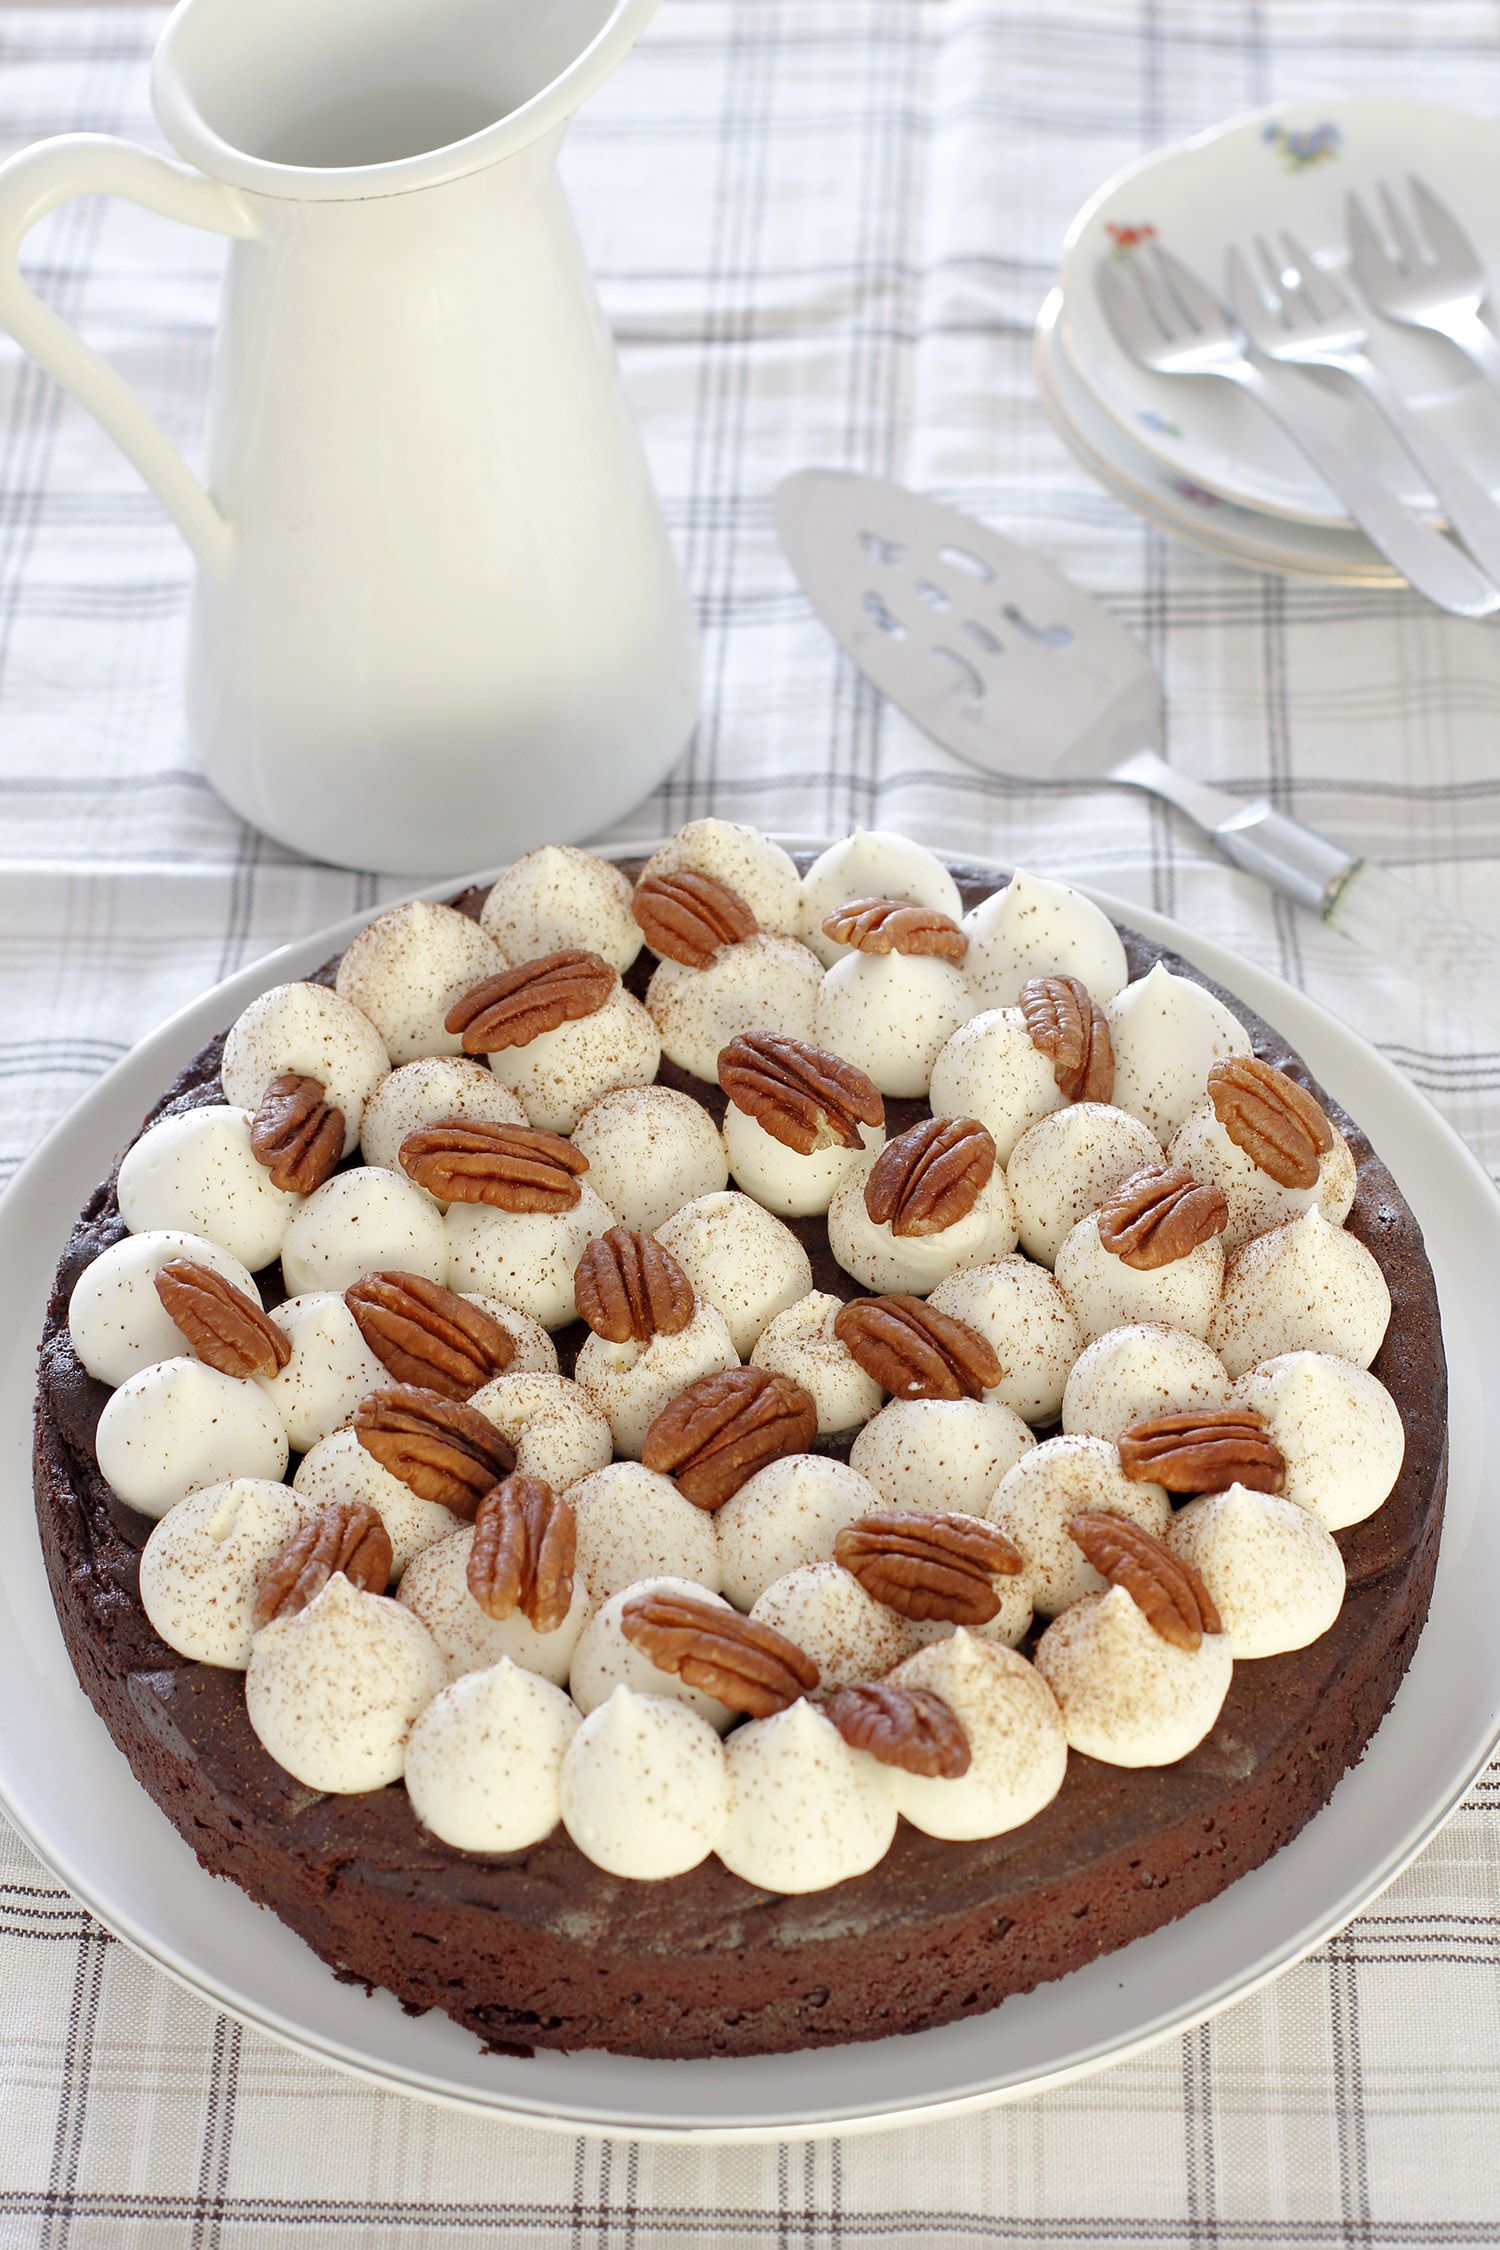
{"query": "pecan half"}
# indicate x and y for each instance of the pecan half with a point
(907, 1727)
(224, 1328)
(1069, 1027)
(800, 1095)
(626, 1286)
(512, 1009)
(512, 1167)
(1158, 1215)
(894, 925)
(1205, 1449)
(1166, 1590)
(1277, 1123)
(297, 1133)
(440, 1448)
(525, 1542)
(914, 1351)
(930, 1176)
(425, 1334)
(741, 1662)
(687, 917)
(347, 1535)
(929, 1566)
(714, 1435)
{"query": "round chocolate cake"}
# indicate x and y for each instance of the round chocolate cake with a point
(542, 1947)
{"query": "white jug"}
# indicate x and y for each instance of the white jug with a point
(436, 617)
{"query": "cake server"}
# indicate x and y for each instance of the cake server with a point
(1001, 659)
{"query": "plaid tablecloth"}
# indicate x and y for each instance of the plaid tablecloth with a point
(822, 229)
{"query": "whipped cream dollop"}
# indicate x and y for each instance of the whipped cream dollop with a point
(1337, 1428)
(764, 983)
(831, 1618)
(197, 1173)
(634, 1524)
(313, 1032)
(1034, 928)
(805, 1810)
(331, 1368)
(339, 1468)
(437, 1090)
(558, 1432)
(435, 1587)
(787, 1514)
(644, 1787)
(408, 967)
(938, 1454)
(484, 1760)
(651, 1150)
(334, 1691)
(1029, 1324)
(557, 1075)
(1067, 1164)
(557, 897)
(1135, 1373)
(363, 1221)
(117, 1322)
(1128, 1697)
(179, 1425)
(872, 863)
(915, 1263)
(1106, 1293)
(1273, 1572)
(891, 1015)
(1035, 1500)
(1256, 1201)
(1018, 1752)
(606, 1659)
(630, 1383)
(1167, 1033)
(992, 1070)
(525, 1258)
(801, 1343)
(740, 1258)
(746, 862)
(202, 1566)
(783, 1179)
(1304, 1286)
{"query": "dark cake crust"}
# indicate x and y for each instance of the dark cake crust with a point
(540, 1948)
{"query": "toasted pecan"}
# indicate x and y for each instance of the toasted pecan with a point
(1277, 1123)
(518, 1005)
(687, 916)
(907, 1727)
(425, 1334)
(914, 1351)
(297, 1134)
(510, 1167)
(716, 1434)
(741, 1662)
(1166, 1590)
(523, 1552)
(440, 1448)
(347, 1535)
(930, 1176)
(628, 1288)
(1069, 1027)
(802, 1096)
(1159, 1215)
(1204, 1449)
(223, 1326)
(929, 1566)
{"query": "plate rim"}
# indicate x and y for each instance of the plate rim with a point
(1269, 1963)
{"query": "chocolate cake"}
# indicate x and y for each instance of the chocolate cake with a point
(542, 1948)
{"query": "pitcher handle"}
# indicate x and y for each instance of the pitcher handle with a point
(54, 172)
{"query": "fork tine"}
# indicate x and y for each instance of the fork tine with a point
(1246, 301)
(1158, 300)
(1276, 291)
(1130, 320)
(1321, 289)
(1399, 229)
(1372, 262)
(1198, 304)
(1449, 244)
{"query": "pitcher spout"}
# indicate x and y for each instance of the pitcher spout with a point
(333, 100)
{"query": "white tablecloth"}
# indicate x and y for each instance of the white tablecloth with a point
(822, 229)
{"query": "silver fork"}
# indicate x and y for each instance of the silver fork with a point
(1170, 323)
(1304, 318)
(1429, 277)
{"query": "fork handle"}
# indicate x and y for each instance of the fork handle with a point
(1474, 339)
(1426, 560)
(1394, 923)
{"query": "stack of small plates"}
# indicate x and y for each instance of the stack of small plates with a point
(1195, 455)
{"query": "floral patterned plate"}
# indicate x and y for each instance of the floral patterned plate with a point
(1201, 518)
(1289, 168)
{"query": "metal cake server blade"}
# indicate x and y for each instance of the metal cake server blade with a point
(1001, 659)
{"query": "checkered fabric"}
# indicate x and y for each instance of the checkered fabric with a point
(822, 229)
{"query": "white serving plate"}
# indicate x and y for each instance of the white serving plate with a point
(1200, 518)
(1242, 179)
(74, 1797)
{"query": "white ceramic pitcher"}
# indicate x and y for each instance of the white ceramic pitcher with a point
(436, 616)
